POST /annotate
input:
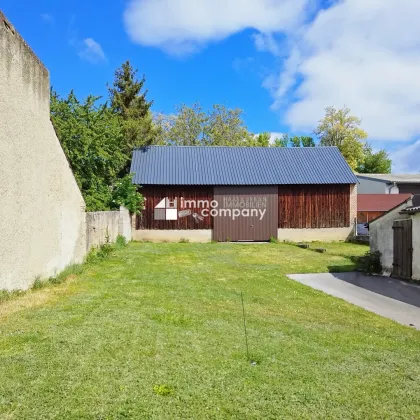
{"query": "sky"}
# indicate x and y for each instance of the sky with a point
(281, 61)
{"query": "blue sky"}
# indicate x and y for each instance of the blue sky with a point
(281, 61)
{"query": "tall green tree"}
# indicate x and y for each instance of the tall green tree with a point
(294, 141)
(260, 140)
(307, 141)
(282, 141)
(92, 137)
(225, 127)
(194, 126)
(374, 162)
(128, 99)
(339, 128)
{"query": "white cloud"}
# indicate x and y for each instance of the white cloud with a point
(357, 53)
(267, 43)
(406, 159)
(182, 26)
(47, 18)
(91, 51)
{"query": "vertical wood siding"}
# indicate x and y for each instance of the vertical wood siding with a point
(314, 206)
(154, 194)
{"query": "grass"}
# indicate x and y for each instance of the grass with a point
(155, 331)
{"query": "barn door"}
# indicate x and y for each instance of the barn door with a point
(403, 248)
(258, 218)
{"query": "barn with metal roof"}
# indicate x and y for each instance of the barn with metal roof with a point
(222, 193)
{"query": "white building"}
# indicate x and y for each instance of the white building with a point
(396, 235)
(388, 184)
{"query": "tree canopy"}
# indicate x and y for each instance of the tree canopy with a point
(339, 128)
(194, 126)
(374, 162)
(127, 98)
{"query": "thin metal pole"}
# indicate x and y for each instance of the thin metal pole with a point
(246, 335)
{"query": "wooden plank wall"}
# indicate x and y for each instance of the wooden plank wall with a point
(154, 194)
(368, 216)
(314, 206)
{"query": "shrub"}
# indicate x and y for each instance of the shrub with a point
(370, 263)
(124, 193)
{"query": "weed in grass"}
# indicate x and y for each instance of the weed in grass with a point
(7, 295)
(163, 390)
(184, 240)
(121, 242)
(38, 283)
(273, 240)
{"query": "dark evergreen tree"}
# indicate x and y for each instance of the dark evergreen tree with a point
(128, 100)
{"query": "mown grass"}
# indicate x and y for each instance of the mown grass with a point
(155, 331)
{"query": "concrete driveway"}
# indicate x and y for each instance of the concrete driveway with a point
(391, 298)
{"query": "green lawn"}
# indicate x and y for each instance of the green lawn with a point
(156, 332)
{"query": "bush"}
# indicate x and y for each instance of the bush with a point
(370, 263)
(124, 193)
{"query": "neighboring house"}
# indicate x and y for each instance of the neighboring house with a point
(396, 235)
(204, 193)
(371, 206)
(42, 218)
(388, 184)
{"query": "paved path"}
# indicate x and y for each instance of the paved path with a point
(391, 298)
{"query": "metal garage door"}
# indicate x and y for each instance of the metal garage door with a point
(258, 219)
(403, 248)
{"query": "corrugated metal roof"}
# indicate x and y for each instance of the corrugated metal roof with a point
(380, 202)
(415, 208)
(220, 165)
(391, 178)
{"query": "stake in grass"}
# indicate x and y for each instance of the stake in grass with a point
(253, 363)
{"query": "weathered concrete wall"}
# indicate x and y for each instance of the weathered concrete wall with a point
(326, 234)
(105, 226)
(382, 236)
(204, 235)
(101, 227)
(416, 246)
(125, 224)
(42, 219)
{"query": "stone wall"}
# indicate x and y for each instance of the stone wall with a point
(42, 212)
